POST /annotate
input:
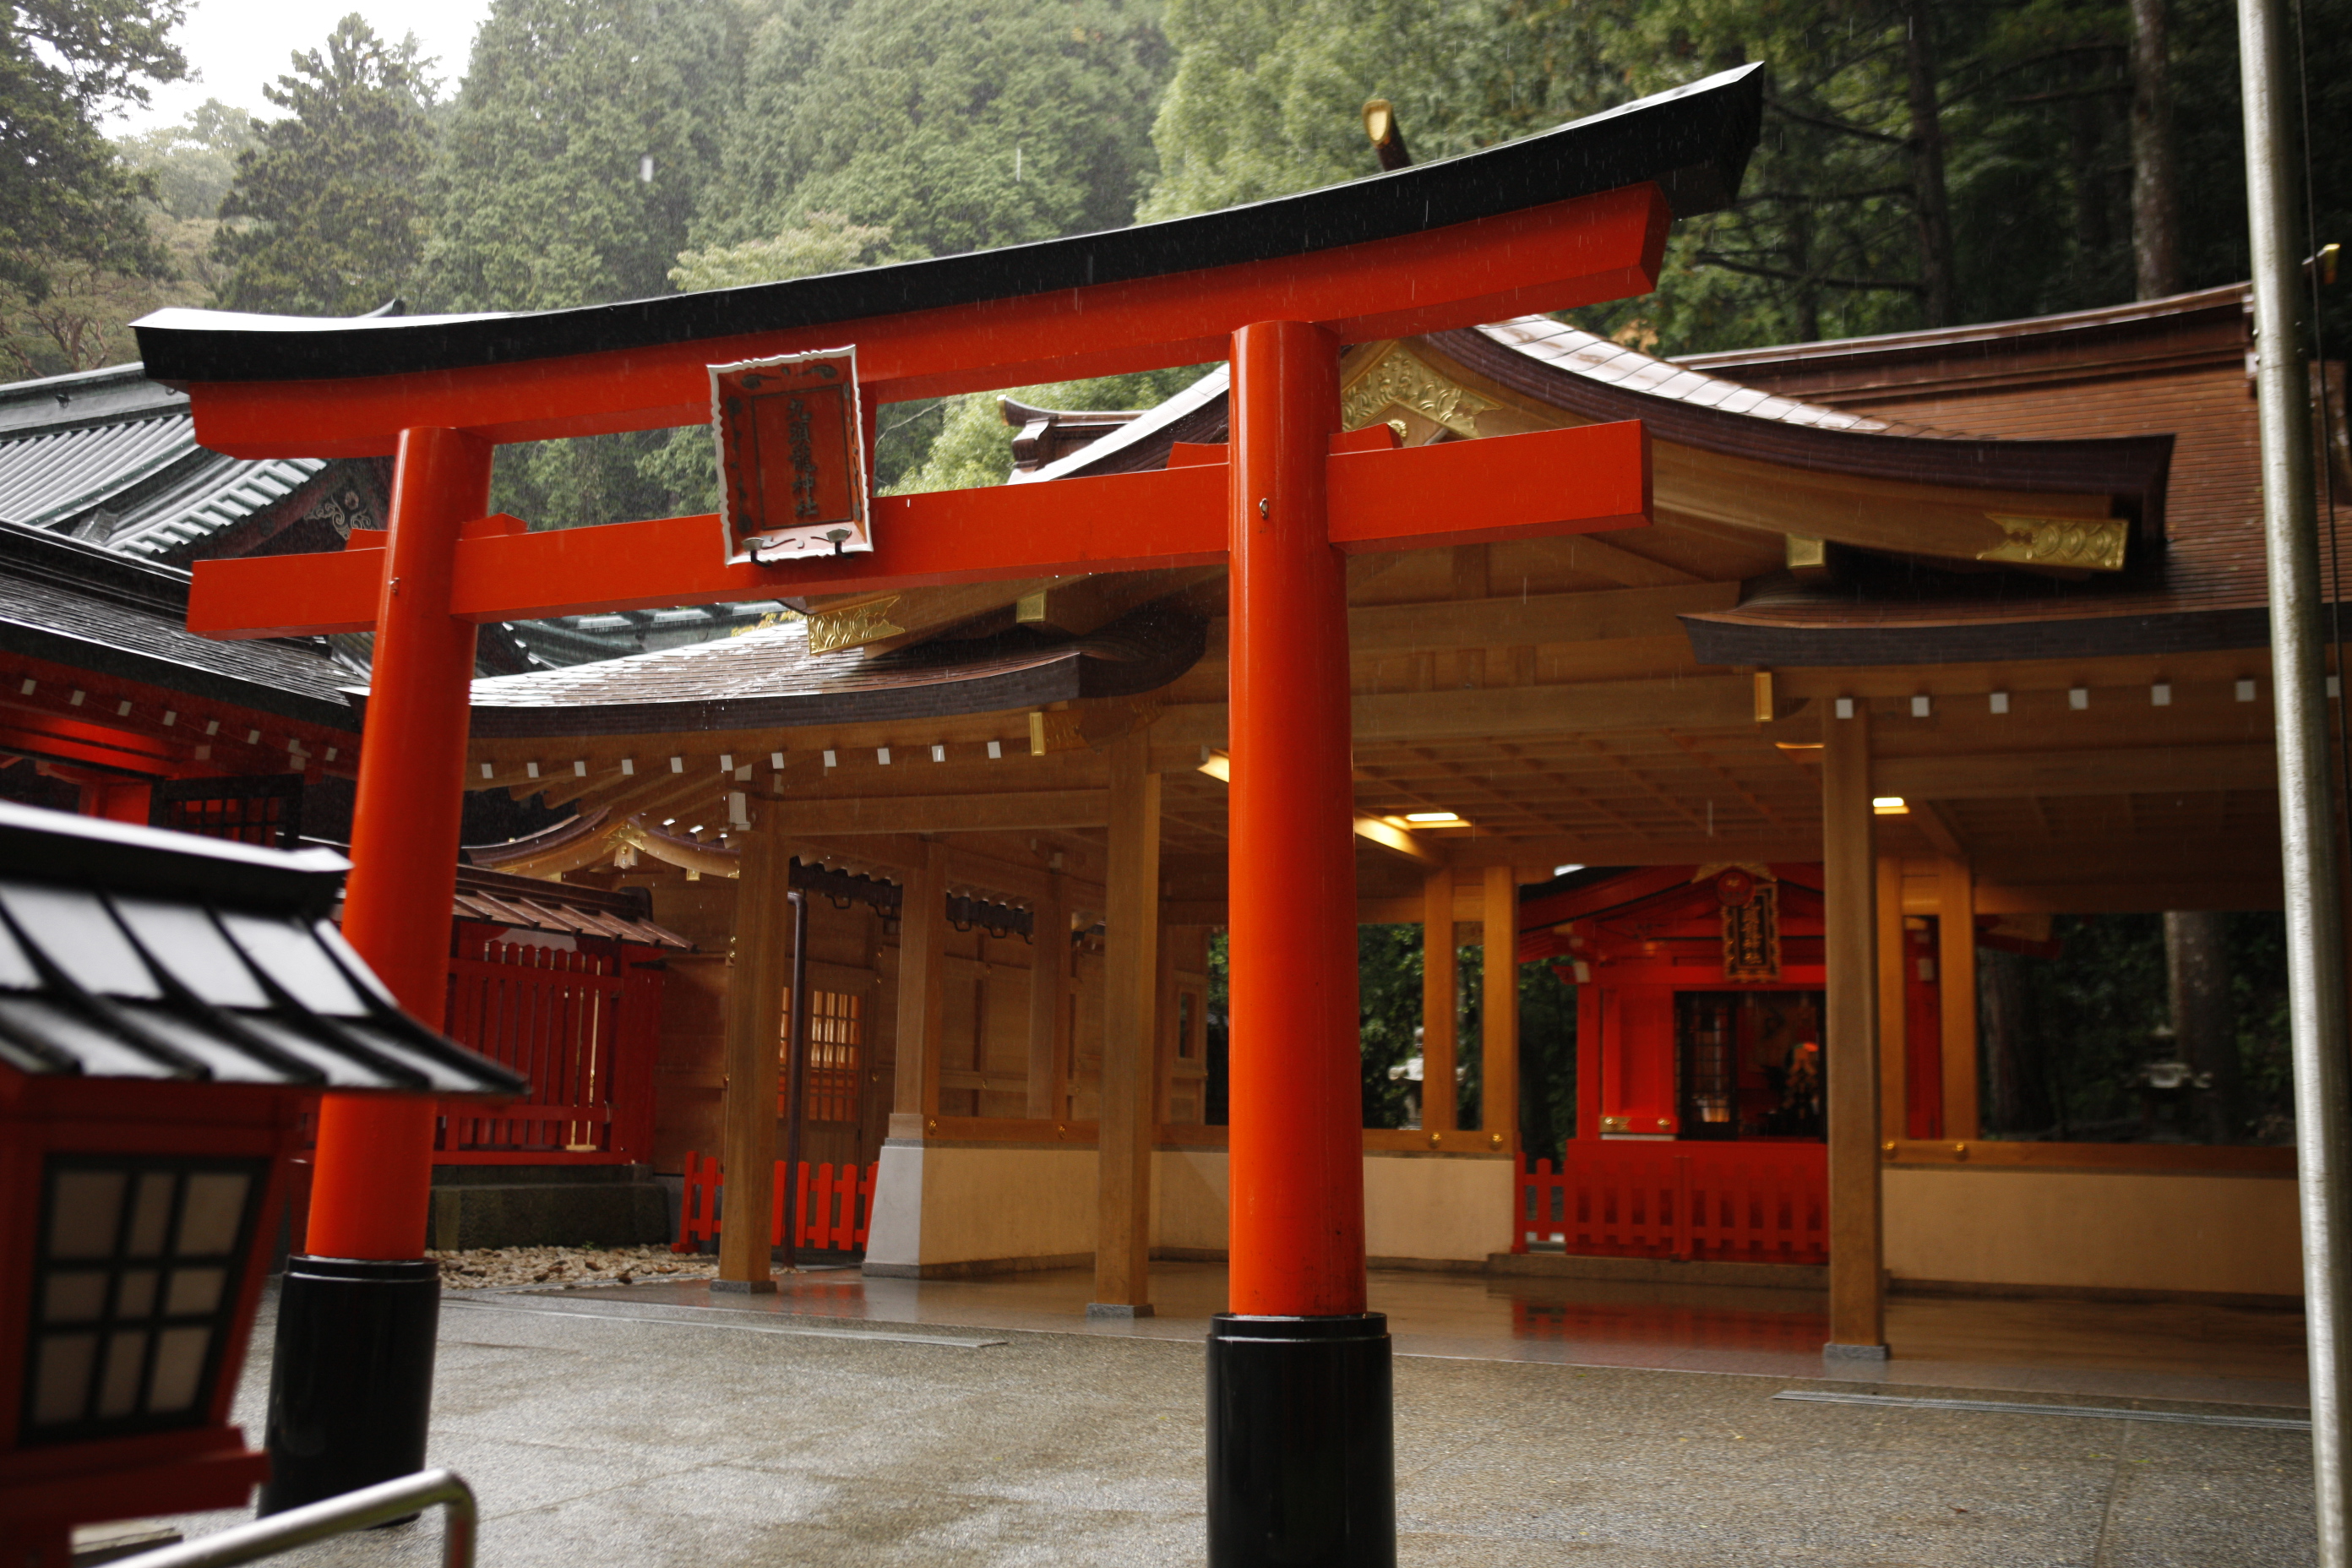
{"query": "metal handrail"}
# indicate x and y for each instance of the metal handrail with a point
(378, 1504)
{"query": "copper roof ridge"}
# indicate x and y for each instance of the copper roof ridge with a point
(2097, 316)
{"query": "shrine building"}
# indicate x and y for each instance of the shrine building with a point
(1980, 608)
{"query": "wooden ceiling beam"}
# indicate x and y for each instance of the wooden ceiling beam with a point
(2147, 770)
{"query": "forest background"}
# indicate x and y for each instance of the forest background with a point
(1922, 165)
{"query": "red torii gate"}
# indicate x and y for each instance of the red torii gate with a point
(1299, 1445)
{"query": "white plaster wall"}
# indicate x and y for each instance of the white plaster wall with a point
(982, 1203)
(1189, 1198)
(2130, 1230)
(1440, 1209)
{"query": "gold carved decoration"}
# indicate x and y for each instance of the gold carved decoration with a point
(1090, 728)
(1398, 379)
(853, 626)
(2081, 543)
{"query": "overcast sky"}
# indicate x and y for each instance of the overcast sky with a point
(235, 46)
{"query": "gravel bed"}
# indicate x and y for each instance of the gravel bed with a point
(569, 1268)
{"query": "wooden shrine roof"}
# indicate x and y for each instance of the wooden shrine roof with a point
(74, 605)
(768, 678)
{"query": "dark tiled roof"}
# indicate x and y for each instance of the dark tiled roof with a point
(136, 953)
(768, 679)
(110, 456)
(75, 603)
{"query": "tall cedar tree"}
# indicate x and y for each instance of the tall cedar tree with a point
(1267, 94)
(64, 197)
(957, 124)
(326, 216)
(579, 147)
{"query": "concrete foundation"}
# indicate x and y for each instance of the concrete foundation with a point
(549, 1205)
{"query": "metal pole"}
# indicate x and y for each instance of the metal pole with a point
(2315, 937)
(388, 1502)
(796, 1081)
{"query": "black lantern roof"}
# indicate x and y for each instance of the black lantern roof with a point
(133, 952)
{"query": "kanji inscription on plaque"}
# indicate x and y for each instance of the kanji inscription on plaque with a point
(792, 461)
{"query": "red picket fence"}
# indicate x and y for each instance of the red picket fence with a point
(584, 1028)
(1745, 1203)
(836, 1206)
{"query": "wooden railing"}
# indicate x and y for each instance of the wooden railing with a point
(1753, 1203)
(584, 1028)
(835, 1205)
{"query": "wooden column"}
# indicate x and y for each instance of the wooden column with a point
(1955, 974)
(1049, 1004)
(1894, 1036)
(1850, 874)
(922, 995)
(1131, 1033)
(755, 1021)
(1439, 1002)
(1499, 1009)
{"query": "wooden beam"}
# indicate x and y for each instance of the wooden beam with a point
(922, 995)
(1935, 819)
(1624, 850)
(1400, 842)
(2139, 770)
(1696, 703)
(1956, 975)
(1439, 1002)
(1130, 972)
(1049, 1003)
(1514, 622)
(1893, 962)
(1498, 1010)
(956, 813)
(755, 1004)
(1617, 563)
(1850, 873)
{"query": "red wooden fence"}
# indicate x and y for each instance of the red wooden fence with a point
(835, 1205)
(584, 1027)
(1746, 1202)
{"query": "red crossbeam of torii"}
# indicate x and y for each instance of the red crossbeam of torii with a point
(1575, 217)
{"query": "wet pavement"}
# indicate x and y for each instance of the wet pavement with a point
(893, 1421)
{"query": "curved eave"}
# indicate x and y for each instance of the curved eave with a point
(2133, 470)
(1693, 142)
(1785, 643)
(986, 685)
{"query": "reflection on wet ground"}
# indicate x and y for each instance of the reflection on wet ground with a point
(2170, 1350)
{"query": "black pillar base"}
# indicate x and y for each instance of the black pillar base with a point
(1302, 1454)
(351, 1389)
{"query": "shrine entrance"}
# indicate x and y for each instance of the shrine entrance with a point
(1300, 1468)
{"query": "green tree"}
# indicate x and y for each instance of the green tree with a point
(1267, 94)
(579, 146)
(64, 196)
(577, 152)
(192, 163)
(326, 214)
(959, 124)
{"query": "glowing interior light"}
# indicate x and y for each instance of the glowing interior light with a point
(1218, 766)
(1426, 818)
(1889, 806)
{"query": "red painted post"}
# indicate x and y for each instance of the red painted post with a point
(365, 1299)
(1301, 1466)
(1297, 1144)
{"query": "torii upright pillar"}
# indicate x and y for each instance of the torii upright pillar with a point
(1300, 1451)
